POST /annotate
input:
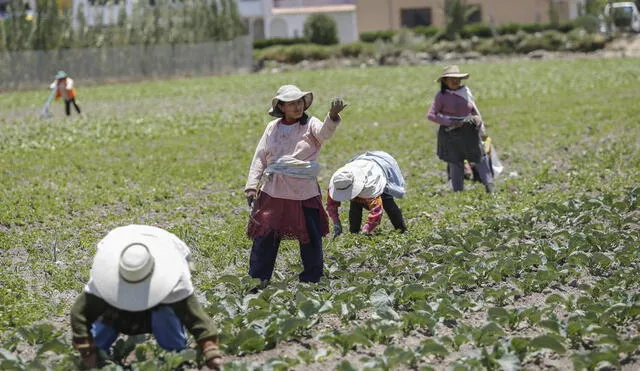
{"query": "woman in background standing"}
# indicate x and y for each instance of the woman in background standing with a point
(461, 129)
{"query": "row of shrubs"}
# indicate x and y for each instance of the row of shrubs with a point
(577, 40)
(483, 30)
(480, 30)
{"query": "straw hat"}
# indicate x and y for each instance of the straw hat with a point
(135, 269)
(61, 75)
(452, 71)
(289, 93)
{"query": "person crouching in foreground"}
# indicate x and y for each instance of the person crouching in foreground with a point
(140, 283)
(371, 180)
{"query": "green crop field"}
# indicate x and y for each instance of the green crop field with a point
(541, 275)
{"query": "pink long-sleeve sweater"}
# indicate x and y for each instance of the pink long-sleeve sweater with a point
(303, 142)
(449, 104)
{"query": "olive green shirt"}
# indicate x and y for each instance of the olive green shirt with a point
(89, 308)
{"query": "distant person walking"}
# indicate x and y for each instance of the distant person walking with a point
(63, 86)
(282, 189)
(461, 129)
(369, 181)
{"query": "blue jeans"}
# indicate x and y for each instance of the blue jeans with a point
(165, 324)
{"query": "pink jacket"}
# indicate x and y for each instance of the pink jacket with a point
(300, 141)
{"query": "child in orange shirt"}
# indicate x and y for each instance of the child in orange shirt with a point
(64, 88)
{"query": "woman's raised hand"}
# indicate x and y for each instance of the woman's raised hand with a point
(337, 105)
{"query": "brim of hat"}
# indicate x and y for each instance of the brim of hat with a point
(169, 265)
(455, 75)
(276, 112)
(352, 192)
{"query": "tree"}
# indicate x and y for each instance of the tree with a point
(18, 30)
(48, 25)
(50, 29)
(321, 29)
(594, 7)
(554, 15)
(457, 14)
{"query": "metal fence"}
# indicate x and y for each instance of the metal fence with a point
(37, 68)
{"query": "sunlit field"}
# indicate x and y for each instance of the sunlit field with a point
(542, 274)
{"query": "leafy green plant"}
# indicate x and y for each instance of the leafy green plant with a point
(346, 342)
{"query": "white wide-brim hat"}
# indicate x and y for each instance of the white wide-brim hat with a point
(347, 183)
(289, 93)
(452, 71)
(135, 270)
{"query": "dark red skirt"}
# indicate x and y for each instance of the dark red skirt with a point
(284, 218)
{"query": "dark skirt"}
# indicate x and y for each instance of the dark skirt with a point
(284, 218)
(460, 144)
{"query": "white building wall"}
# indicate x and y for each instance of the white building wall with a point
(278, 28)
(346, 24)
(576, 8)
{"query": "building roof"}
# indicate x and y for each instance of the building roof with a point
(315, 9)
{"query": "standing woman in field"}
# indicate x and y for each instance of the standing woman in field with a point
(282, 189)
(461, 129)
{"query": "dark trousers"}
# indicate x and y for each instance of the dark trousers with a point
(67, 106)
(456, 173)
(388, 204)
(265, 250)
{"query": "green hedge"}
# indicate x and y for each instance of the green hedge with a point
(477, 29)
(357, 49)
(508, 28)
(512, 28)
(483, 30)
(373, 36)
(577, 40)
(265, 43)
(296, 53)
(426, 31)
